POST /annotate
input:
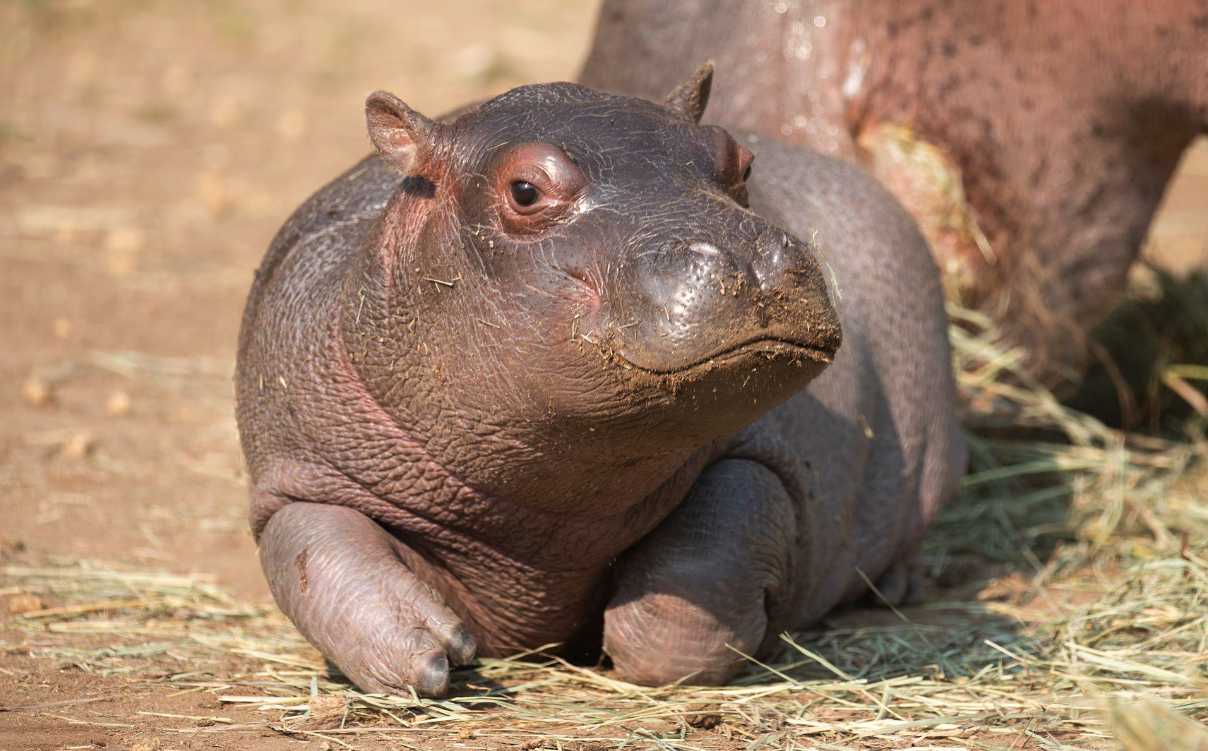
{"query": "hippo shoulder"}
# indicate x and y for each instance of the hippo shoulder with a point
(342, 211)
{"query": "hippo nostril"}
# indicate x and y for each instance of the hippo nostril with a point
(780, 258)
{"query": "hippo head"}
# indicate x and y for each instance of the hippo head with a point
(581, 271)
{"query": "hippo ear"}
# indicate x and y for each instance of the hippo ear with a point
(398, 132)
(691, 96)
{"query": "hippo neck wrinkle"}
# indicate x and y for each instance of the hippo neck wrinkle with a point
(525, 500)
(492, 457)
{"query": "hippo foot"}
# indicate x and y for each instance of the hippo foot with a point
(901, 584)
(341, 579)
(701, 587)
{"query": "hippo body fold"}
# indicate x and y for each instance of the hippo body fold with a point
(473, 435)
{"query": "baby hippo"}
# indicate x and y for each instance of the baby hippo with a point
(537, 374)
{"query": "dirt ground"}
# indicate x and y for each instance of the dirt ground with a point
(148, 153)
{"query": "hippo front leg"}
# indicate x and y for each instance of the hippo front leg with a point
(340, 578)
(710, 577)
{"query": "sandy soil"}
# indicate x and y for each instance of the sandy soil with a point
(148, 152)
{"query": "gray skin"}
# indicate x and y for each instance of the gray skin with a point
(477, 424)
(1060, 121)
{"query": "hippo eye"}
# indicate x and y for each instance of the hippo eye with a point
(525, 194)
(538, 187)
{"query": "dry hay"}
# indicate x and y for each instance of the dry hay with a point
(1097, 625)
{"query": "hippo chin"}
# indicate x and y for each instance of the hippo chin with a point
(537, 375)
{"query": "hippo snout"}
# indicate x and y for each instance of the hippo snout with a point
(782, 260)
(690, 301)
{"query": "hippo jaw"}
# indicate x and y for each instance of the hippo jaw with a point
(746, 353)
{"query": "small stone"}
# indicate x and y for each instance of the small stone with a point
(81, 68)
(79, 445)
(175, 82)
(326, 712)
(38, 391)
(147, 744)
(24, 603)
(214, 193)
(291, 126)
(122, 245)
(118, 404)
(224, 114)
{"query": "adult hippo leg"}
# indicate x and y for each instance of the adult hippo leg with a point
(712, 576)
(340, 577)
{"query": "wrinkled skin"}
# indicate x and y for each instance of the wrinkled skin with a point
(536, 375)
(1059, 123)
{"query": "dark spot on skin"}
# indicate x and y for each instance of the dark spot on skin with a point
(951, 85)
(948, 48)
(300, 562)
(419, 186)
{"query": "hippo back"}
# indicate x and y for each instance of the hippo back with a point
(878, 431)
(293, 297)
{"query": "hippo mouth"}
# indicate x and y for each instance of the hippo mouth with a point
(768, 347)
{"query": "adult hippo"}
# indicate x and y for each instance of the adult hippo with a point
(1031, 140)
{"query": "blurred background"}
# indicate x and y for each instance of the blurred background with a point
(148, 153)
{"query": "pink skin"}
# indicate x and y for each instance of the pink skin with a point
(1061, 121)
